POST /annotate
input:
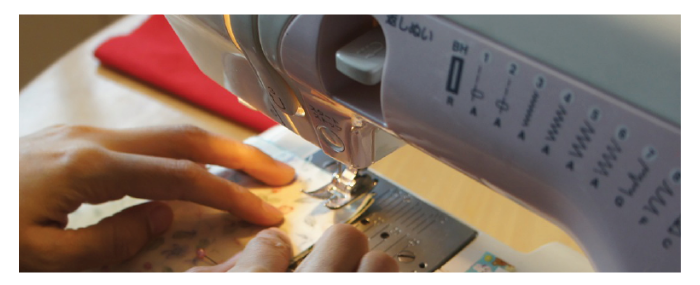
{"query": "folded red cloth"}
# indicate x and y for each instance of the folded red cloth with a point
(153, 53)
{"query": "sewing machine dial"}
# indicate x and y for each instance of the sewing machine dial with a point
(537, 132)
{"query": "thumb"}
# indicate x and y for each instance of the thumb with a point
(118, 237)
(269, 251)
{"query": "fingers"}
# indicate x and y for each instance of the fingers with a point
(159, 178)
(269, 251)
(344, 248)
(376, 261)
(195, 144)
(113, 239)
(340, 249)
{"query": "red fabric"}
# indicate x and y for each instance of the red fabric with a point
(153, 53)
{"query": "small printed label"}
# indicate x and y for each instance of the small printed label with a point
(490, 263)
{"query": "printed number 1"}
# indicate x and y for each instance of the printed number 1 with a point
(540, 82)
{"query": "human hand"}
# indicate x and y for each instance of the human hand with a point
(342, 248)
(64, 166)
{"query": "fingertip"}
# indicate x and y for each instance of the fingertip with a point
(276, 233)
(340, 249)
(377, 261)
(160, 217)
(269, 251)
(272, 214)
(262, 166)
(285, 174)
(263, 213)
(348, 233)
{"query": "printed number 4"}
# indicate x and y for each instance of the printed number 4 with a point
(567, 98)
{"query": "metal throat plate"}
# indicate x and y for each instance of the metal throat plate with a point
(421, 237)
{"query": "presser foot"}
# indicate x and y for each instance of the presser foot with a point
(347, 185)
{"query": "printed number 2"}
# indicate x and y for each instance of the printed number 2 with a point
(513, 68)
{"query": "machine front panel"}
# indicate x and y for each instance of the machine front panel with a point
(605, 170)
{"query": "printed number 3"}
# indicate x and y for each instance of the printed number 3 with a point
(622, 133)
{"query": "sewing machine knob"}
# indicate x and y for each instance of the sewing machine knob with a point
(331, 139)
(363, 58)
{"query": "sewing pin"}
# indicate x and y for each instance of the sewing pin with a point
(202, 255)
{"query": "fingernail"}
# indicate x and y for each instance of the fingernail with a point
(285, 168)
(272, 212)
(160, 218)
(277, 232)
(284, 165)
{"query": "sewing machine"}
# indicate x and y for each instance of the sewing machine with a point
(575, 117)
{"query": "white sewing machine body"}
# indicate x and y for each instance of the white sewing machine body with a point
(575, 117)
